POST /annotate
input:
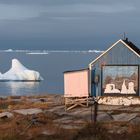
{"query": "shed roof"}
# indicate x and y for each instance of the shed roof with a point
(127, 43)
(76, 70)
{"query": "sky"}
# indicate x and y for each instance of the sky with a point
(67, 24)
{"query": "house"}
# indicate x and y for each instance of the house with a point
(114, 76)
(116, 71)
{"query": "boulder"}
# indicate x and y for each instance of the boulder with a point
(6, 115)
(124, 116)
(30, 111)
(104, 117)
(135, 120)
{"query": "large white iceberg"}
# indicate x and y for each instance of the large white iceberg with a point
(19, 72)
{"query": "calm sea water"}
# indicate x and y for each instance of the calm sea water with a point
(50, 64)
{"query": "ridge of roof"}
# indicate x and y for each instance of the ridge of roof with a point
(133, 46)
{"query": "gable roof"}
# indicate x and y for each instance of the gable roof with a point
(130, 44)
(127, 43)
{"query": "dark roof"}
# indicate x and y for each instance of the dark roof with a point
(130, 44)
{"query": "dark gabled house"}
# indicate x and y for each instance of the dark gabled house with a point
(116, 71)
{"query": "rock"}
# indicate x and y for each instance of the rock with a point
(65, 120)
(6, 115)
(68, 122)
(72, 126)
(48, 132)
(121, 130)
(124, 116)
(135, 120)
(43, 99)
(104, 117)
(29, 111)
(56, 109)
(108, 107)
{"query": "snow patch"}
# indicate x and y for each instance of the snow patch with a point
(127, 101)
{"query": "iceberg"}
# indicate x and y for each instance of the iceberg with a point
(18, 72)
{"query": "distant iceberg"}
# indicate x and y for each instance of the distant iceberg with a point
(19, 72)
(38, 53)
(45, 52)
(95, 51)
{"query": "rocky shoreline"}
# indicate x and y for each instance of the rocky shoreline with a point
(45, 117)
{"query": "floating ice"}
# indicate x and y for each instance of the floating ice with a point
(38, 53)
(19, 72)
(51, 51)
(95, 51)
(9, 50)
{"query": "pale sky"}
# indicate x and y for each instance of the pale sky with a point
(67, 24)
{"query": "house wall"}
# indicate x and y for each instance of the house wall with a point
(76, 84)
(118, 55)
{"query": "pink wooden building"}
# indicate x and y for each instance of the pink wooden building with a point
(76, 90)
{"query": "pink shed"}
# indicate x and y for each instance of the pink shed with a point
(76, 83)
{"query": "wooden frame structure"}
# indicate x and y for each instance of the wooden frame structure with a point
(72, 102)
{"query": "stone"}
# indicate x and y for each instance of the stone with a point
(30, 111)
(122, 130)
(135, 120)
(71, 126)
(104, 117)
(48, 132)
(124, 116)
(65, 120)
(108, 107)
(6, 115)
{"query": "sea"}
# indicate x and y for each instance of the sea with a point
(49, 63)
